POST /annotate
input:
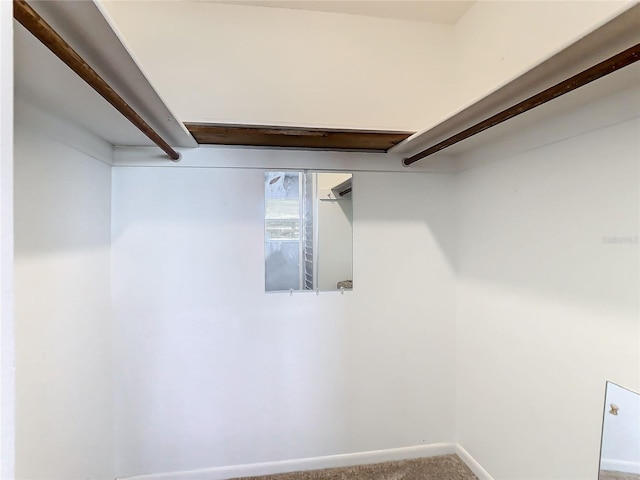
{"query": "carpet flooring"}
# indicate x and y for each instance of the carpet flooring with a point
(446, 467)
(610, 475)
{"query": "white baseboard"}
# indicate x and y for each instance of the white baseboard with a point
(331, 461)
(471, 462)
(620, 466)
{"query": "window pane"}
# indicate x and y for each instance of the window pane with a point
(282, 219)
(282, 266)
(282, 230)
(282, 185)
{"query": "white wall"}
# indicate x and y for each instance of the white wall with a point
(496, 41)
(7, 325)
(256, 65)
(212, 371)
(547, 306)
(64, 424)
(621, 432)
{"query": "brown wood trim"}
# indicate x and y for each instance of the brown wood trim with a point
(295, 137)
(610, 65)
(33, 22)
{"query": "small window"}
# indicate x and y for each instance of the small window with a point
(282, 230)
(308, 231)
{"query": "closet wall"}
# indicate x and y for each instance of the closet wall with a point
(7, 324)
(211, 371)
(146, 342)
(547, 302)
(64, 394)
(334, 65)
(315, 68)
(495, 41)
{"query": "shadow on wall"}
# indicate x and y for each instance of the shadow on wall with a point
(419, 199)
(61, 197)
(401, 345)
(547, 306)
(561, 220)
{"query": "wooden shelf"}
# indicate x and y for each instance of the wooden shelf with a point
(295, 137)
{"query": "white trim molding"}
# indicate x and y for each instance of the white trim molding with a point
(304, 464)
(271, 158)
(620, 466)
(315, 463)
(471, 462)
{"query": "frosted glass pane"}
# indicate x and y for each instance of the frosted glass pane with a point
(282, 266)
(282, 185)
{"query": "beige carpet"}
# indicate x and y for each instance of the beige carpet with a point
(610, 475)
(446, 467)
